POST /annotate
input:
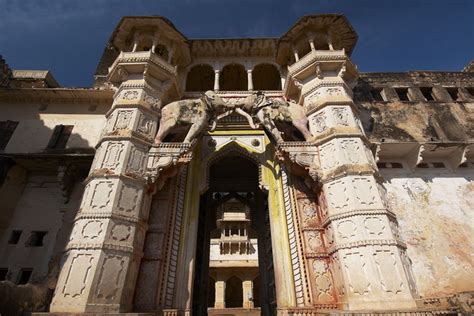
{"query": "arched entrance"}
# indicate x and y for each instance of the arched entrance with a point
(234, 241)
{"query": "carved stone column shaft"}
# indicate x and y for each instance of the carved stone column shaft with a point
(104, 251)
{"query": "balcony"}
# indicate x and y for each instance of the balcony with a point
(135, 62)
(314, 56)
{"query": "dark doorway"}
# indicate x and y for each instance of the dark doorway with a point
(234, 177)
(233, 292)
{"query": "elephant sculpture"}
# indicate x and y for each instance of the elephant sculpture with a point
(198, 113)
(269, 113)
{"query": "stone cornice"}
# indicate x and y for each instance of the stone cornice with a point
(365, 243)
(358, 212)
(215, 48)
(448, 78)
(57, 95)
(104, 174)
(115, 216)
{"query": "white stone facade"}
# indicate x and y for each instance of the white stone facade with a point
(372, 213)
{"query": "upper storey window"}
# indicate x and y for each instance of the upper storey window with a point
(6, 131)
(377, 94)
(402, 94)
(470, 90)
(266, 77)
(60, 136)
(200, 78)
(453, 93)
(427, 93)
(233, 78)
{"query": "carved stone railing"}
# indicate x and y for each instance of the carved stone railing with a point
(316, 55)
(145, 56)
(234, 94)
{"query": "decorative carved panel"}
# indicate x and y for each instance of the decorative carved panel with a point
(356, 272)
(129, 198)
(76, 278)
(112, 155)
(346, 229)
(318, 122)
(109, 283)
(364, 190)
(137, 161)
(124, 117)
(338, 195)
(121, 232)
(92, 229)
(323, 281)
(329, 156)
(351, 149)
(388, 270)
(374, 225)
(101, 194)
(341, 115)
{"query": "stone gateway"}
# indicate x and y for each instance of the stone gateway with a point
(237, 177)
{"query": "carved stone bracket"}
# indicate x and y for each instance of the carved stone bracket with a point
(164, 160)
(302, 159)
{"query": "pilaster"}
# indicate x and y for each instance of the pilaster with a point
(103, 254)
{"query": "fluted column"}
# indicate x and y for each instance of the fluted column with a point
(104, 251)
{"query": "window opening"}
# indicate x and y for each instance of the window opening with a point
(60, 136)
(266, 77)
(6, 131)
(36, 239)
(3, 274)
(14, 237)
(377, 94)
(453, 93)
(24, 276)
(200, 78)
(402, 94)
(233, 78)
(427, 93)
(470, 90)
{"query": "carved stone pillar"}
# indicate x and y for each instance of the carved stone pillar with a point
(220, 294)
(366, 254)
(216, 79)
(247, 288)
(249, 80)
(103, 254)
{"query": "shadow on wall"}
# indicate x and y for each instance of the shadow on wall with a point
(37, 149)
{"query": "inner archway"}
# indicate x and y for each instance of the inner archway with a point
(200, 78)
(266, 77)
(234, 241)
(233, 78)
(233, 292)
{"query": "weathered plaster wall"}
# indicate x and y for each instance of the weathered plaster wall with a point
(435, 212)
(40, 208)
(36, 126)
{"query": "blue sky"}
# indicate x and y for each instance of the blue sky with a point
(68, 36)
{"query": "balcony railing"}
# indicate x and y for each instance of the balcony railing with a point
(316, 55)
(130, 57)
